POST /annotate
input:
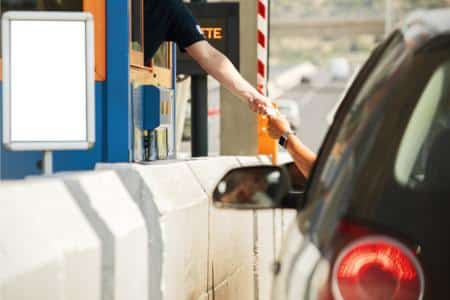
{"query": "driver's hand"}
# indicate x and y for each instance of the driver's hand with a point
(277, 126)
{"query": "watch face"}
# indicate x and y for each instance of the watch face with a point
(282, 141)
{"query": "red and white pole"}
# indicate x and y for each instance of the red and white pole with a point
(266, 145)
(262, 39)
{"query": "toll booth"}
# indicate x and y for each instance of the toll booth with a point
(134, 98)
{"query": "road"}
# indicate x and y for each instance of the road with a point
(315, 101)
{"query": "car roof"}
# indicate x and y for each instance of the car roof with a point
(438, 20)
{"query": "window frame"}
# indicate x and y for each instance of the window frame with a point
(98, 9)
(151, 74)
(412, 143)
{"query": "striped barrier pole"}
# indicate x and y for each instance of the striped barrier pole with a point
(266, 145)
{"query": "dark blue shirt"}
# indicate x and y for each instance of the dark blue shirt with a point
(168, 20)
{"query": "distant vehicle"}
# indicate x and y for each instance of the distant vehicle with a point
(374, 216)
(303, 73)
(289, 108)
(339, 68)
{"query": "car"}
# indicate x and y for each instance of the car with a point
(290, 109)
(373, 219)
(339, 68)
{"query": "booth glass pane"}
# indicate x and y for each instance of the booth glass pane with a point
(162, 56)
(137, 10)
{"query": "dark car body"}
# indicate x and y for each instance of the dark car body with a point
(383, 172)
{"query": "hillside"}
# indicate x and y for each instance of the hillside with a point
(294, 9)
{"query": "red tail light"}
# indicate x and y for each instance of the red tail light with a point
(377, 268)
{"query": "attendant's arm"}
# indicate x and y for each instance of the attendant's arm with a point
(303, 157)
(219, 66)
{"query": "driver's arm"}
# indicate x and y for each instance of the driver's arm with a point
(303, 157)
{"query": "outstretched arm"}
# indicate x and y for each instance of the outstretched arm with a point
(219, 66)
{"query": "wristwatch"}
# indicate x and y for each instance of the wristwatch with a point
(284, 138)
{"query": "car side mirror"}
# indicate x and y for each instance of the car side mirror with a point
(256, 187)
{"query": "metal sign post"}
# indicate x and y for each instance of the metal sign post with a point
(48, 162)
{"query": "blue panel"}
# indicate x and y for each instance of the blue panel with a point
(118, 95)
(17, 165)
(86, 160)
(151, 107)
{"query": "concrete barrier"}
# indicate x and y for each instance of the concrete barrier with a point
(175, 208)
(120, 226)
(230, 250)
(47, 248)
(265, 239)
(264, 251)
(249, 160)
(160, 236)
(265, 160)
(269, 232)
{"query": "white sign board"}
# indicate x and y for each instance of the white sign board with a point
(48, 81)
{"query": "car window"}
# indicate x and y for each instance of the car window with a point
(380, 78)
(387, 64)
(428, 125)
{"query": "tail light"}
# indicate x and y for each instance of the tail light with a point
(377, 268)
(368, 267)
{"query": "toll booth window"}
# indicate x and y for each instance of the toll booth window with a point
(162, 56)
(137, 25)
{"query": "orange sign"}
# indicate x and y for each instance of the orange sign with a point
(213, 33)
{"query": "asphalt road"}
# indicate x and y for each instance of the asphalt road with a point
(315, 101)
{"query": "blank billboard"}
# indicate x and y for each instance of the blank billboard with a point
(48, 72)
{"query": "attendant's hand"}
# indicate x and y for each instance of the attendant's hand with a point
(260, 104)
(278, 125)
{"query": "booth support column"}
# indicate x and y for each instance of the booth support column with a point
(238, 124)
(199, 115)
(199, 112)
